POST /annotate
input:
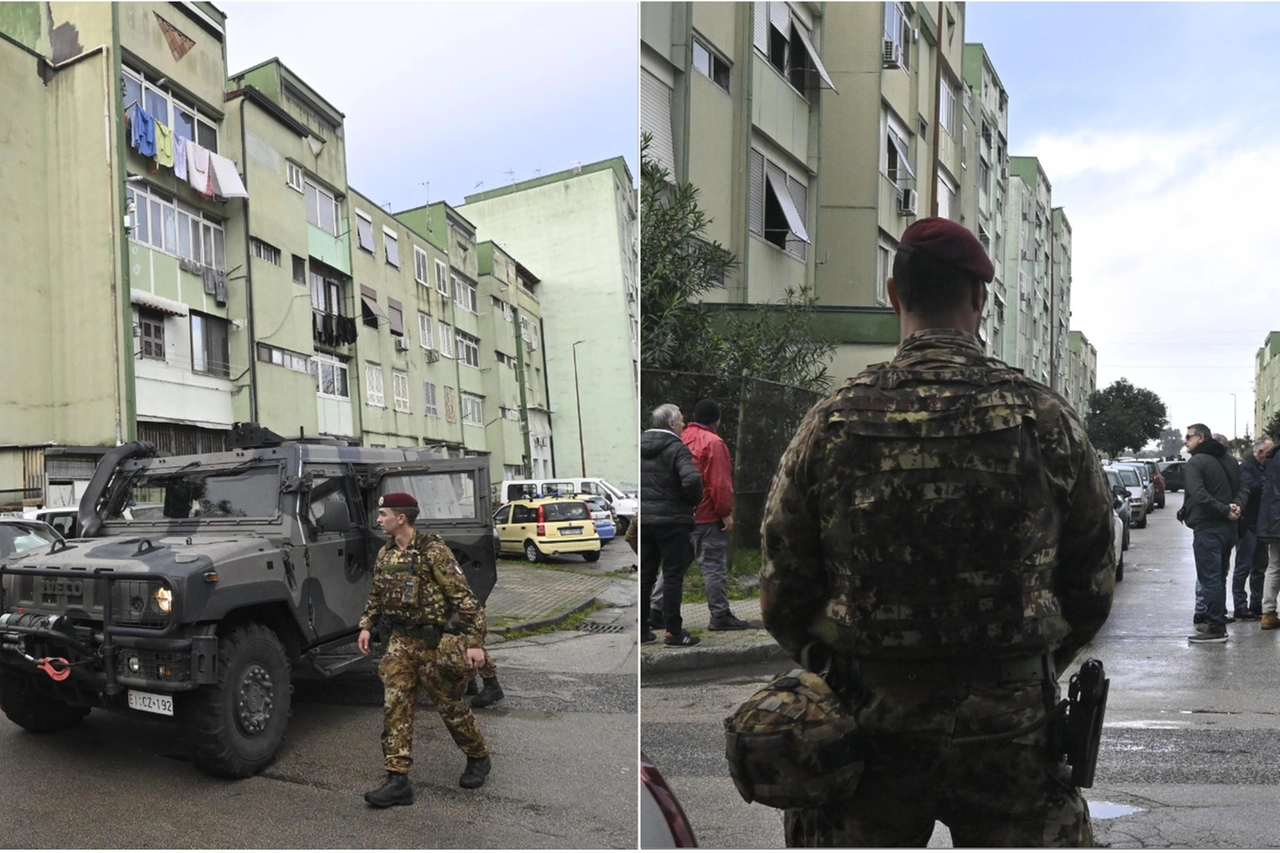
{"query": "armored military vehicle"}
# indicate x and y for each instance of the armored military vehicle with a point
(198, 584)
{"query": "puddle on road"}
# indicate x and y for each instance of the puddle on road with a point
(1104, 811)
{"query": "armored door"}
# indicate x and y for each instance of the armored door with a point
(338, 567)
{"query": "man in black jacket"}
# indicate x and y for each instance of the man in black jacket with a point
(1246, 581)
(1216, 495)
(670, 491)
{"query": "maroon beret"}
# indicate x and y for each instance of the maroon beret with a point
(398, 500)
(951, 242)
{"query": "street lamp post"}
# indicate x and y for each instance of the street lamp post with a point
(582, 448)
(1235, 413)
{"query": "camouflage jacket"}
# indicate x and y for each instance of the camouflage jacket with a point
(422, 585)
(857, 554)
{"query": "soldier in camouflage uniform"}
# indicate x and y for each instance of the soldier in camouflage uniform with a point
(941, 528)
(417, 584)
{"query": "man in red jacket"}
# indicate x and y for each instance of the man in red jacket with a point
(714, 516)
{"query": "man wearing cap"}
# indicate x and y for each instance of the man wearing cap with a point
(940, 531)
(417, 584)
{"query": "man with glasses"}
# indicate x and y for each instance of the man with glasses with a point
(1215, 497)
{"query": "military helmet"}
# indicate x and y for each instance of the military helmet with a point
(793, 745)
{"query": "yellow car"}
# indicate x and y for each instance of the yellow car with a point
(543, 527)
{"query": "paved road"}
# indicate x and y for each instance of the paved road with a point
(564, 774)
(1188, 756)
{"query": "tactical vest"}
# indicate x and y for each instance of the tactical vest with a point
(411, 594)
(939, 527)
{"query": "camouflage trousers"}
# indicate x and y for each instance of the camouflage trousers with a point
(408, 665)
(488, 669)
(1004, 793)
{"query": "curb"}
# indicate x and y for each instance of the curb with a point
(662, 661)
(536, 624)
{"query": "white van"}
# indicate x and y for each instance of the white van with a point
(624, 505)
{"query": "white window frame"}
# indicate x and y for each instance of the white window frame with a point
(425, 334)
(400, 390)
(884, 269)
(421, 267)
(365, 219)
(321, 195)
(472, 406)
(713, 56)
(294, 176)
(947, 112)
(206, 237)
(468, 349)
(442, 278)
(430, 404)
(783, 183)
(391, 246)
(374, 395)
(446, 339)
(323, 361)
(172, 102)
(464, 294)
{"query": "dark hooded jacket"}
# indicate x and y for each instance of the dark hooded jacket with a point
(670, 485)
(1213, 483)
(1269, 507)
(1251, 472)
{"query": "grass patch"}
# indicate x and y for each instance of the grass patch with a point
(569, 623)
(743, 583)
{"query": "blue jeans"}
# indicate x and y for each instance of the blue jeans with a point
(1212, 549)
(1247, 574)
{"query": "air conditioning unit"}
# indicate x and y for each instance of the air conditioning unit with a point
(892, 54)
(907, 201)
(402, 345)
(431, 356)
(1004, 171)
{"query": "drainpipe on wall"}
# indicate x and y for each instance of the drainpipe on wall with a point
(937, 107)
(748, 79)
(248, 274)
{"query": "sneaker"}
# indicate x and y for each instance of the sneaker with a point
(1209, 636)
(1201, 619)
(1246, 615)
(648, 637)
(684, 638)
(1270, 621)
(728, 623)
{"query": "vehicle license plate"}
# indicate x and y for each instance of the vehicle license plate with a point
(570, 531)
(152, 703)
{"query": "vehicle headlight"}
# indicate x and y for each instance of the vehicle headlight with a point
(163, 597)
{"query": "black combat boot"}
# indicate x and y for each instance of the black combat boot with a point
(396, 791)
(477, 769)
(491, 693)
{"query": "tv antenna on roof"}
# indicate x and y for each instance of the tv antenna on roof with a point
(511, 174)
(479, 185)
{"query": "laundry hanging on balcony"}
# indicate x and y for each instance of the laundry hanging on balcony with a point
(226, 181)
(141, 127)
(198, 168)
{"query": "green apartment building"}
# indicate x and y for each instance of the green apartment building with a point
(578, 229)
(1082, 372)
(168, 298)
(1266, 382)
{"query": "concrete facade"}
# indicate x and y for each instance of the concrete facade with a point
(1266, 373)
(170, 353)
(578, 229)
(1081, 371)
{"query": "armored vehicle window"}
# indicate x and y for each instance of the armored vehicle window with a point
(443, 495)
(575, 511)
(252, 493)
(326, 491)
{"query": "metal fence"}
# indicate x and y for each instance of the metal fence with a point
(757, 420)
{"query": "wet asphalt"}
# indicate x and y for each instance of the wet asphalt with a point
(1192, 732)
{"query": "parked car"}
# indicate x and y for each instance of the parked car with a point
(623, 503)
(1157, 481)
(1173, 475)
(1144, 476)
(663, 823)
(1122, 503)
(601, 516)
(1131, 480)
(22, 534)
(543, 527)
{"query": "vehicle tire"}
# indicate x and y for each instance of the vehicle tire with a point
(1143, 523)
(1120, 568)
(27, 707)
(1161, 504)
(532, 553)
(236, 726)
(1124, 543)
(622, 525)
(591, 556)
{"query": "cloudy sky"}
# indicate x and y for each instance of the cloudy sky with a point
(465, 96)
(1156, 124)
